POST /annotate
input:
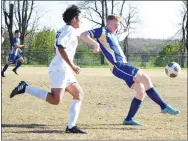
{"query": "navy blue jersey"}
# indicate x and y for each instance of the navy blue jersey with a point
(14, 50)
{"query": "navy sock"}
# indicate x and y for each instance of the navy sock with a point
(18, 65)
(155, 96)
(5, 68)
(135, 105)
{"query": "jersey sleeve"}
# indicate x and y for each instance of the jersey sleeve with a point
(62, 40)
(122, 36)
(95, 33)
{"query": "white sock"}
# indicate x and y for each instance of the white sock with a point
(39, 93)
(74, 113)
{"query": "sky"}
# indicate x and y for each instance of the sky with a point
(157, 19)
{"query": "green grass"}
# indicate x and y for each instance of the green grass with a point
(106, 103)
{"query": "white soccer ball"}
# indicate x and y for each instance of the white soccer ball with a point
(172, 69)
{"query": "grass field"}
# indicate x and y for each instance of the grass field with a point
(105, 105)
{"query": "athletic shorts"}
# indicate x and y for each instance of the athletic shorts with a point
(126, 72)
(61, 79)
(13, 57)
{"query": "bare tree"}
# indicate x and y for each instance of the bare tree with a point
(8, 15)
(101, 9)
(128, 21)
(93, 7)
(184, 29)
(22, 11)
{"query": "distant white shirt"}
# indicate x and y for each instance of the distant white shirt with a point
(122, 36)
(67, 37)
(2, 40)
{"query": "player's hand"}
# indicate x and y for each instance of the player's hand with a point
(76, 69)
(96, 48)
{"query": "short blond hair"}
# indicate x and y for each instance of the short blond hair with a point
(113, 17)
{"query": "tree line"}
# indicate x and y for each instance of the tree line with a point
(18, 14)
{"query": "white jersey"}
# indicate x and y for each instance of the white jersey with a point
(67, 37)
(2, 40)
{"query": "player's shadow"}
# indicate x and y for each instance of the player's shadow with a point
(42, 131)
(24, 125)
(111, 127)
(37, 132)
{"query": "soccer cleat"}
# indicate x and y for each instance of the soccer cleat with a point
(20, 89)
(2, 74)
(15, 72)
(132, 122)
(170, 110)
(75, 130)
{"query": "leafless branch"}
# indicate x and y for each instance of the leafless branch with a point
(122, 6)
(93, 20)
(31, 10)
(106, 8)
(112, 11)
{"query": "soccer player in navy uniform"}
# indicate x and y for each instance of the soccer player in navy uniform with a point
(134, 77)
(14, 54)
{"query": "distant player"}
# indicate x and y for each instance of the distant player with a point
(60, 71)
(2, 39)
(14, 54)
(134, 77)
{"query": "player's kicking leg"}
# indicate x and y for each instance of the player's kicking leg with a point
(153, 94)
(19, 63)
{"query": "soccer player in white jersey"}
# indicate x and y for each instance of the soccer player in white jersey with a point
(60, 71)
(2, 33)
(2, 40)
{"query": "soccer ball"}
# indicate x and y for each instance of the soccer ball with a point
(172, 69)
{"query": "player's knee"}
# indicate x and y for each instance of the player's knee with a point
(140, 90)
(57, 101)
(79, 96)
(8, 63)
(148, 83)
(21, 60)
(147, 78)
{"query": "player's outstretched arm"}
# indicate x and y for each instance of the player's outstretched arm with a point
(123, 35)
(19, 46)
(87, 39)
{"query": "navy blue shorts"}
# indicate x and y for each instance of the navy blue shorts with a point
(126, 72)
(13, 57)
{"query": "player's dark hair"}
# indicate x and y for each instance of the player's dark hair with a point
(17, 31)
(70, 13)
